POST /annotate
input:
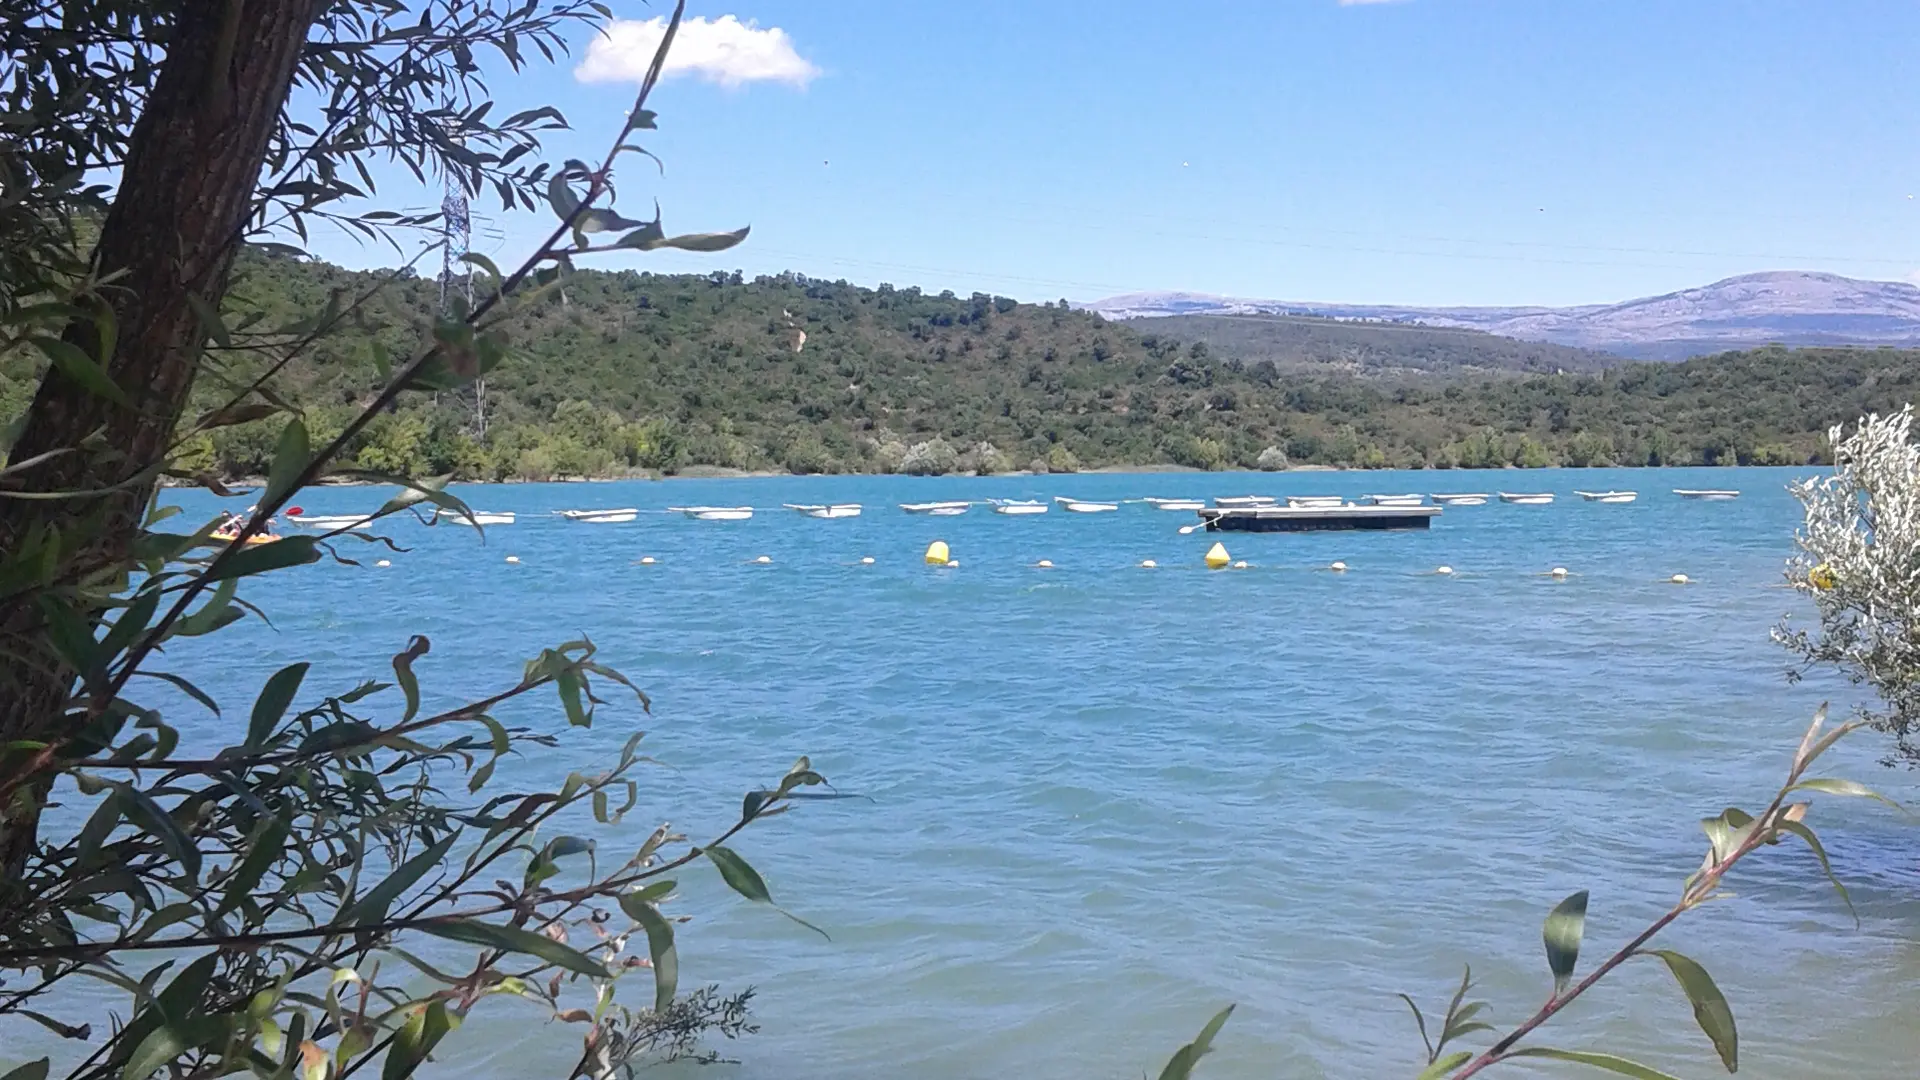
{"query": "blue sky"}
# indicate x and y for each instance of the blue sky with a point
(1421, 152)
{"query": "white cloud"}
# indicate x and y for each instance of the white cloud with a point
(723, 50)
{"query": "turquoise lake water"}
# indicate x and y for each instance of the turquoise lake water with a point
(1108, 800)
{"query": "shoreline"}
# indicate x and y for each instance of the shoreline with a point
(719, 472)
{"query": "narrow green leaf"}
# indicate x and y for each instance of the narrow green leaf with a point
(1180, 1066)
(720, 241)
(512, 939)
(1849, 788)
(261, 558)
(1710, 1006)
(32, 1070)
(272, 703)
(1445, 1065)
(666, 962)
(75, 364)
(738, 875)
(267, 845)
(210, 321)
(293, 453)
(1566, 924)
(1419, 1021)
(416, 1039)
(403, 673)
(1820, 852)
(1608, 1062)
(562, 197)
(594, 221)
(372, 907)
(145, 814)
(172, 1040)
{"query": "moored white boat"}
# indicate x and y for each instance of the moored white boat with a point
(1019, 506)
(1176, 504)
(1460, 498)
(1082, 506)
(1315, 500)
(327, 522)
(1527, 499)
(1236, 502)
(1716, 494)
(1608, 496)
(477, 517)
(937, 509)
(833, 510)
(602, 517)
(715, 513)
(1396, 500)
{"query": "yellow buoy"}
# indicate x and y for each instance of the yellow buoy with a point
(384, 562)
(1148, 564)
(1558, 572)
(1044, 564)
(515, 559)
(1338, 568)
(764, 559)
(1444, 571)
(1217, 557)
(1679, 579)
(868, 561)
(646, 560)
(937, 554)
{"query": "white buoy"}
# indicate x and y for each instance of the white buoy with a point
(1338, 568)
(1444, 571)
(514, 559)
(1044, 564)
(1558, 572)
(952, 564)
(384, 562)
(1679, 579)
(868, 561)
(646, 560)
(1189, 530)
(1241, 565)
(764, 559)
(1148, 564)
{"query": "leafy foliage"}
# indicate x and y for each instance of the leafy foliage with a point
(1859, 565)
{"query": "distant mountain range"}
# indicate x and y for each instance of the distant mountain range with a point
(1789, 307)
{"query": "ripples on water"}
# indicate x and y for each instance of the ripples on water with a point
(1108, 800)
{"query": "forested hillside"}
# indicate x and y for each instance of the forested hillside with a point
(626, 371)
(1300, 343)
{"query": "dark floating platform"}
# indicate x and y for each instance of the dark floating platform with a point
(1317, 518)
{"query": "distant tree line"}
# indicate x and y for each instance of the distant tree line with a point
(626, 372)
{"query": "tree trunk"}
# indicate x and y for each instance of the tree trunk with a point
(186, 190)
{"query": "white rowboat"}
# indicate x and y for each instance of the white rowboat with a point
(602, 517)
(1315, 500)
(328, 522)
(1397, 500)
(1176, 504)
(1710, 493)
(1608, 496)
(937, 509)
(479, 517)
(715, 513)
(1537, 499)
(1463, 498)
(1236, 502)
(1081, 506)
(1019, 506)
(836, 510)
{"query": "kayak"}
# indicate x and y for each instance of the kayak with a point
(226, 536)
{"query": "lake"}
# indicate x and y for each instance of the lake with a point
(1108, 800)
